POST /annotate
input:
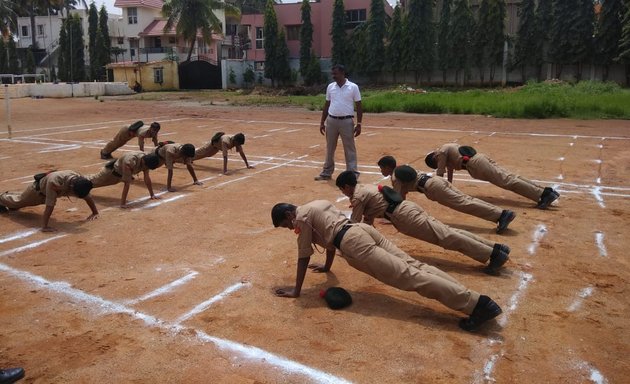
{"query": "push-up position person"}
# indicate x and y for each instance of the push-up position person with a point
(452, 157)
(170, 153)
(222, 142)
(406, 179)
(137, 129)
(366, 250)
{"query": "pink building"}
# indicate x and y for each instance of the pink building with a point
(290, 18)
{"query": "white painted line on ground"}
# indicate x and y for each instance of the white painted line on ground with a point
(30, 246)
(513, 302)
(5, 157)
(597, 192)
(584, 293)
(63, 132)
(18, 235)
(275, 130)
(88, 124)
(92, 165)
(342, 198)
(560, 177)
(99, 305)
(69, 148)
(257, 137)
(488, 368)
(571, 144)
(159, 202)
(561, 159)
(314, 146)
(539, 233)
(293, 130)
(595, 375)
(164, 289)
(206, 304)
(599, 240)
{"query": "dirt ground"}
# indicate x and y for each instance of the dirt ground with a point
(180, 289)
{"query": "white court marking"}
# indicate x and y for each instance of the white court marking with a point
(208, 303)
(594, 374)
(599, 240)
(164, 289)
(583, 294)
(159, 202)
(30, 246)
(18, 235)
(101, 306)
(539, 233)
(597, 193)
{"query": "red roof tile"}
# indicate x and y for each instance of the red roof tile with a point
(139, 3)
(156, 28)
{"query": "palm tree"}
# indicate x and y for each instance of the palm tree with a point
(8, 16)
(195, 16)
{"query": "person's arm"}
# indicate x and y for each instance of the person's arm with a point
(90, 202)
(302, 266)
(169, 179)
(224, 149)
(242, 153)
(149, 184)
(123, 197)
(191, 170)
(330, 257)
(141, 143)
(449, 175)
(155, 139)
(357, 127)
(322, 124)
(46, 218)
(403, 194)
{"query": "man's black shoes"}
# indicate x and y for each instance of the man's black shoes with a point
(498, 257)
(505, 219)
(548, 196)
(11, 375)
(486, 309)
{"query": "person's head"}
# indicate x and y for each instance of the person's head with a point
(387, 165)
(81, 187)
(283, 215)
(239, 139)
(346, 182)
(151, 160)
(338, 72)
(430, 160)
(405, 174)
(187, 150)
(155, 127)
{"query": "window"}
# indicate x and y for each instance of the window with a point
(231, 29)
(259, 65)
(40, 29)
(259, 38)
(132, 15)
(121, 40)
(355, 17)
(25, 31)
(172, 40)
(157, 42)
(293, 32)
(158, 75)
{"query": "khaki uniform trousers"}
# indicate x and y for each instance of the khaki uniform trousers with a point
(413, 221)
(482, 167)
(202, 153)
(443, 192)
(366, 250)
(345, 129)
(29, 198)
(104, 178)
(121, 138)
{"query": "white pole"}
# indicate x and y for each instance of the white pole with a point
(7, 99)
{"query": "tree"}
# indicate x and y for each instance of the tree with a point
(582, 39)
(3, 57)
(338, 33)
(8, 16)
(357, 50)
(396, 48)
(571, 34)
(608, 34)
(544, 22)
(190, 17)
(445, 43)
(314, 72)
(14, 65)
(375, 42)
(77, 51)
(64, 51)
(306, 38)
(103, 44)
(526, 48)
(463, 23)
(420, 38)
(104, 29)
(490, 36)
(270, 33)
(282, 59)
(92, 31)
(29, 63)
(624, 42)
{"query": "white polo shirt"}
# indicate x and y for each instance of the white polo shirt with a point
(342, 98)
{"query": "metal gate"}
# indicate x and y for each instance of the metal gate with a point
(199, 74)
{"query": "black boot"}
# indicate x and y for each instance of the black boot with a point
(486, 309)
(548, 196)
(11, 375)
(505, 219)
(497, 259)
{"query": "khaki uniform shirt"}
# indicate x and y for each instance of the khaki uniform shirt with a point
(171, 153)
(367, 202)
(317, 222)
(448, 157)
(406, 187)
(59, 180)
(145, 132)
(130, 164)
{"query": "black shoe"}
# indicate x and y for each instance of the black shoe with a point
(497, 259)
(3, 209)
(322, 177)
(486, 309)
(505, 248)
(106, 156)
(548, 196)
(11, 375)
(505, 219)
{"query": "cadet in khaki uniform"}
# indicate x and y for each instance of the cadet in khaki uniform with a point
(406, 179)
(452, 157)
(170, 153)
(123, 169)
(46, 189)
(137, 129)
(366, 250)
(368, 202)
(222, 142)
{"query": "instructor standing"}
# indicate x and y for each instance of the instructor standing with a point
(342, 96)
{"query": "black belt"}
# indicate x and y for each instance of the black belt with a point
(423, 180)
(341, 117)
(390, 209)
(339, 236)
(116, 173)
